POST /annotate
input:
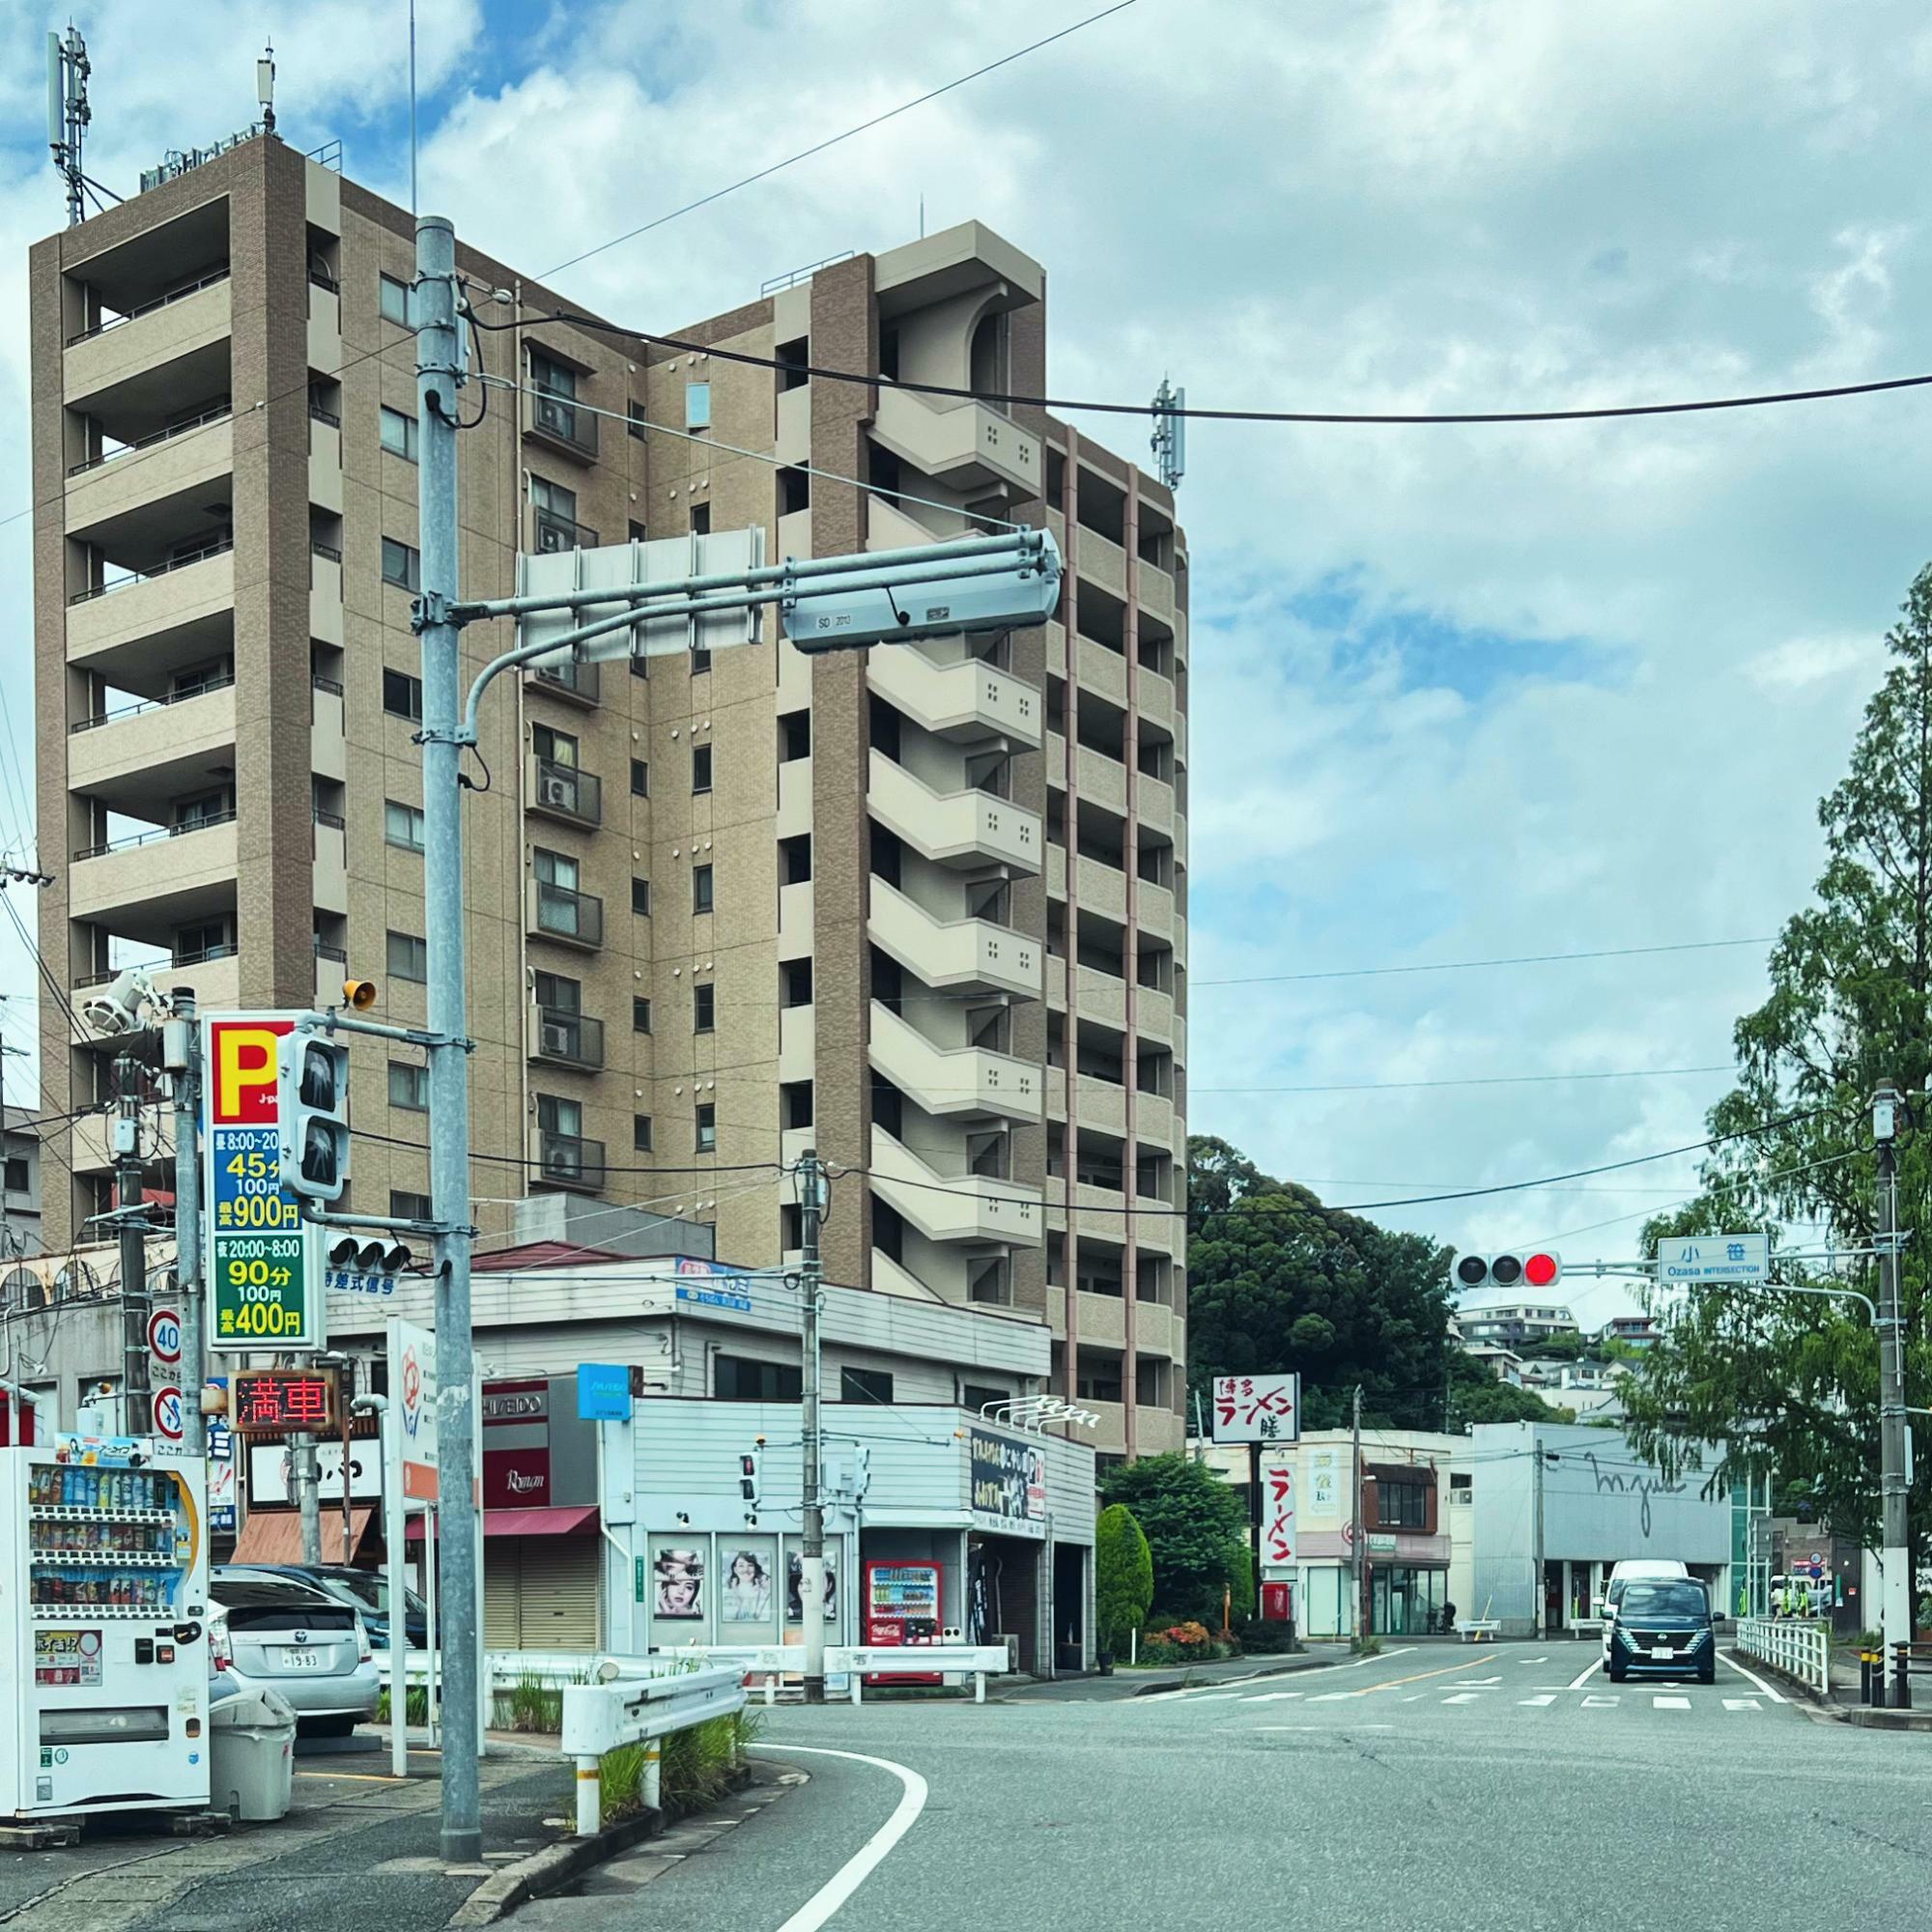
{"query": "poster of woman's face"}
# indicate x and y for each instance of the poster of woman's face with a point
(747, 1587)
(680, 1583)
(794, 1582)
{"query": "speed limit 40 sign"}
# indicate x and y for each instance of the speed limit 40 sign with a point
(164, 1337)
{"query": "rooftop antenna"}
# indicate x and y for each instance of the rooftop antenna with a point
(265, 88)
(1169, 441)
(67, 114)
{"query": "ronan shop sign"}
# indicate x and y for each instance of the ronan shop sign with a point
(264, 1261)
(1009, 1479)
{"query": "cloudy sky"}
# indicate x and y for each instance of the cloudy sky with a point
(1458, 692)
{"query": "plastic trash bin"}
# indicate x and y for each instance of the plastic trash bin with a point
(251, 1754)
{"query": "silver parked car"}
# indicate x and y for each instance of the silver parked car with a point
(271, 1630)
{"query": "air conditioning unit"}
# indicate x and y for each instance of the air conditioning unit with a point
(559, 418)
(555, 789)
(551, 538)
(558, 1038)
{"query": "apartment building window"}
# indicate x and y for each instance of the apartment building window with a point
(697, 405)
(740, 1378)
(407, 1207)
(555, 1116)
(795, 859)
(637, 422)
(791, 1227)
(794, 736)
(794, 490)
(16, 1180)
(701, 525)
(707, 1128)
(402, 696)
(641, 1133)
(398, 302)
(701, 768)
(210, 941)
(402, 825)
(641, 897)
(553, 748)
(703, 1008)
(795, 983)
(553, 379)
(409, 1086)
(977, 1396)
(401, 564)
(865, 1385)
(701, 889)
(641, 1014)
(406, 957)
(795, 1103)
(400, 433)
(1401, 1505)
(700, 661)
(640, 777)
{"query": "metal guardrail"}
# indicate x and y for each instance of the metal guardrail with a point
(774, 1662)
(601, 1717)
(1801, 1650)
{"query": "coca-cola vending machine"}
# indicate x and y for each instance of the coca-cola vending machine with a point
(902, 1607)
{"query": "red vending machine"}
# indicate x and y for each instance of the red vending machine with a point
(902, 1607)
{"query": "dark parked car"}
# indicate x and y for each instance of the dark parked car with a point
(1664, 1629)
(279, 1630)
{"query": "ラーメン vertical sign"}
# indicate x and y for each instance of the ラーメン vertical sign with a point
(263, 1260)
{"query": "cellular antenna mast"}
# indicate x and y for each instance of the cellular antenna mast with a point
(68, 115)
(265, 88)
(1169, 441)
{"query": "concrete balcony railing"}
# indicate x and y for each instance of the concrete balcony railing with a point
(1102, 888)
(967, 446)
(1102, 778)
(798, 1043)
(1102, 1103)
(1056, 648)
(952, 1081)
(1156, 590)
(973, 953)
(1102, 1320)
(1055, 871)
(159, 332)
(967, 703)
(1155, 695)
(793, 424)
(955, 1207)
(1101, 996)
(180, 607)
(1154, 799)
(172, 870)
(158, 750)
(1101, 560)
(1154, 1119)
(890, 1277)
(1153, 1015)
(1101, 670)
(969, 825)
(188, 464)
(325, 595)
(1153, 909)
(215, 978)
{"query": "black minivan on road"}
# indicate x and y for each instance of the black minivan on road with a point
(1664, 1629)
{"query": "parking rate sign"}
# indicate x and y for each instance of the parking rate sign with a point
(264, 1261)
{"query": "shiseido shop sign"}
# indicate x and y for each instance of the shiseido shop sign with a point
(516, 1445)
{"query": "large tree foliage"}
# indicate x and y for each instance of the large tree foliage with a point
(1276, 1281)
(1195, 1529)
(1790, 1382)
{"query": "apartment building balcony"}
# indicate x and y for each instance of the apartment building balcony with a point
(1102, 1320)
(954, 1206)
(967, 701)
(1100, 560)
(569, 918)
(152, 463)
(1154, 1017)
(798, 1043)
(138, 757)
(180, 613)
(1102, 778)
(578, 683)
(1154, 1118)
(1056, 648)
(1155, 695)
(793, 415)
(171, 875)
(951, 828)
(966, 446)
(164, 327)
(566, 1161)
(324, 593)
(972, 954)
(1101, 670)
(1155, 587)
(952, 1082)
(1102, 1104)
(556, 533)
(563, 792)
(564, 425)
(1154, 799)
(564, 1039)
(215, 974)
(1158, 1331)
(1153, 910)
(1100, 995)
(1102, 888)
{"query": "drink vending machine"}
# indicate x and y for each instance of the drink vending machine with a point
(103, 1599)
(902, 1607)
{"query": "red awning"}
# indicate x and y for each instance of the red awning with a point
(526, 1523)
(274, 1536)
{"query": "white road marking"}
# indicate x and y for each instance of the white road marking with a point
(1578, 1682)
(1481, 1683)
(1274, 1697)
(1670, 1703)
(1742, 1704)
(1462, 1697)
(1334, 1697)
(1227, 1696)
(1600, 1703)
(1775, 1696)
(819, 1908)
(1532, 1660)
(1205, 1692)
(1415, 1697)
(1546, 1698)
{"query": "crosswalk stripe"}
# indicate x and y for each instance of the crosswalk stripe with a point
(1333, 1697)
(1279, 1696)
(1540, 1701)
(1671, 1703)
(1742, 1704)
(1600, 1703)
(1532, 1660)
(1462, 1697)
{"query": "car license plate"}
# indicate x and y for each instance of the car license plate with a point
(1662, 1650)
(304, 1657)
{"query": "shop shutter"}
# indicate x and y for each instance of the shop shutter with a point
(503, 1593)
(559, 1592)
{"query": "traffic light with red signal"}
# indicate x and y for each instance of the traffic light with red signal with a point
(1516, 1267)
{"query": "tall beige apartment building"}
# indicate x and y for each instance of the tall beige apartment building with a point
(923, 907)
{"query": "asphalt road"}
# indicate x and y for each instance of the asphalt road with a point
(1508, 1787)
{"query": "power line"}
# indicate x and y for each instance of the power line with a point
(1470, 965)
(607, 1167)
(1488, 1080)
(819, 146)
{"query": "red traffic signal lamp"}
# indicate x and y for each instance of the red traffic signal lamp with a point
(1516, 1267)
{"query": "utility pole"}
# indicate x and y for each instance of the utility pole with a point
(306, 1479)
(1895, 1536)
(1536, 1590)
(438, 374)
(180, 1055)
(812, 1190)
(131, 1226)
(1356, 1517)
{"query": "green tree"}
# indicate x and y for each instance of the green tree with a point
(1789, 1383)
(1195, 1527)
(1123, 1579)
(1477, 1396)
(1276, 1281)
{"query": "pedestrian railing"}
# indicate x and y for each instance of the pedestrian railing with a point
(606, 1716)
(1799, 1648)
